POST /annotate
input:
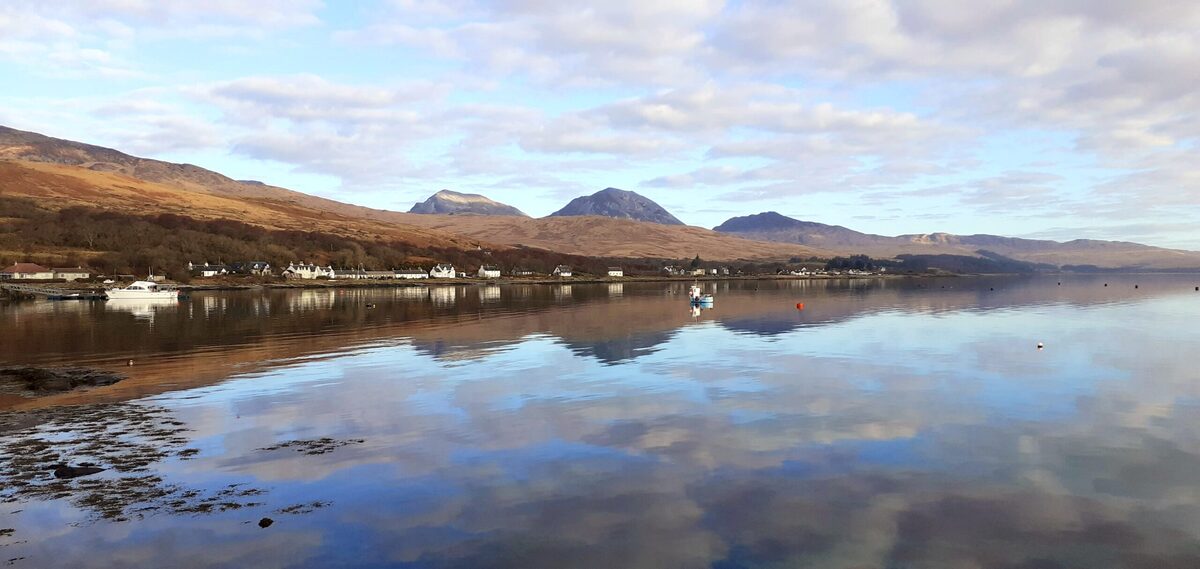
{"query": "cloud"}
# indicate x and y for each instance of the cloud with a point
(866, 100)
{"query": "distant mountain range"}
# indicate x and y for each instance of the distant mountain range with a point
(57, 173)
(621, 204)
(449, 202)
(772, 226)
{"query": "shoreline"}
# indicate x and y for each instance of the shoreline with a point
(398, 283)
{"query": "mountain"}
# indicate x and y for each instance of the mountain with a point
(595, 236)
(621, 204)
(835, 239)
(55, 174)
(58, 174)
(772, 226)
(449, 202)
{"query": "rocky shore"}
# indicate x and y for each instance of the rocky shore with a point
(30, 382)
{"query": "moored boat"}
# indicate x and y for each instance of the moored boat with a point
(142, 290)
(698, 297)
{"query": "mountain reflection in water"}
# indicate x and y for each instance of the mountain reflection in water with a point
(898, 423)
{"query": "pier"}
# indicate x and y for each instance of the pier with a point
(49, 293)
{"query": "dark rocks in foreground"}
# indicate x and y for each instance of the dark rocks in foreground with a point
(43, 381)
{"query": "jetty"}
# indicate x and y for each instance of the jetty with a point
(48, 292)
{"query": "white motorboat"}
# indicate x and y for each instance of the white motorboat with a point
(143, 290)
(698, 297)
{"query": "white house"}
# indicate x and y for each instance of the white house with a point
(673, 271)
(71, 273)
(360, 274)
(443, 272)
(489, 272)
(307, 271)
(259, 268)
(616, 272)
(26, 271)
(697, 272)
(207, 269)
(562, 271)
(410, 274)
(521, 273)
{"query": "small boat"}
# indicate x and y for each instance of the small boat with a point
(142, 290)
(698, 297)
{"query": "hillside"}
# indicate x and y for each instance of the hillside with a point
(771, 226)
(450, 203)
(58, 186)
(58, 174)
(620, 204)
(604, 236)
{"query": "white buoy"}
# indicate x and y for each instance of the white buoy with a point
(1041, 345)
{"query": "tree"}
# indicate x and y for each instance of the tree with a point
(696, 262)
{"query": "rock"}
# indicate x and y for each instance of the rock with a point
(265, 522)
(54, 380)
(64, 471)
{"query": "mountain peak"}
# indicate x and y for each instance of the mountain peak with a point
(765, 221)
(452, 202)
(621, 204)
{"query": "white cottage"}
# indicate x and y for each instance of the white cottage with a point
(410, 274)
(307, 271)
(489, 272)
(562, 271)
(70, 274)
(616, 272)
(443, 272)
(207, 269)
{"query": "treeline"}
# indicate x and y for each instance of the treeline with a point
(112, 242)
(987, 262)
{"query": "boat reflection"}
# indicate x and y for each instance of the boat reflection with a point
(142, 308)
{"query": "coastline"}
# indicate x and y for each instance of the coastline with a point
(232, 284)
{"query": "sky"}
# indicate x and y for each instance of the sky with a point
(1056, 119)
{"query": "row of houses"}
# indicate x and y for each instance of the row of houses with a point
(676, 271)
(257, 268)
(440, 271)
(35, 272)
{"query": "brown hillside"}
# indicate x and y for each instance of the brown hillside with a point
(58, 186)
(610, 237)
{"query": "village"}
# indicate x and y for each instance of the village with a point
(304, 271)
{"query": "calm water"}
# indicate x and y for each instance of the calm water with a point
(887, 425)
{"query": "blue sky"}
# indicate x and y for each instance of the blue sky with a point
(1041, 118)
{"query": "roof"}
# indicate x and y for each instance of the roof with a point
(69, 269)
(26, 268)
(614, 268)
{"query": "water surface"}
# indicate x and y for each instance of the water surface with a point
(899, 423)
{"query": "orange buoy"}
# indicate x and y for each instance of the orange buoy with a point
(799, 306)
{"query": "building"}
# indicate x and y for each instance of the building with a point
(71, 273)
(489, 272)
(673, 271)
(521, 273)
(207, 269)
(26, 272)
(257, 268)
(616, 272)
(443, 272)
(562, 271)
(307, 271)
(697, 272)
(410, 274)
